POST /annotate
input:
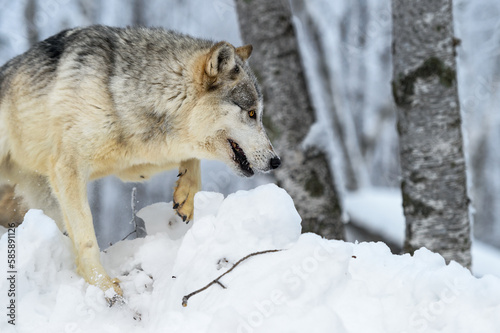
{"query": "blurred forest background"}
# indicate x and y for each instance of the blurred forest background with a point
(346, 53)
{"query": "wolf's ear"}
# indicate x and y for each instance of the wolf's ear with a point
(220, 57)
(244, 52)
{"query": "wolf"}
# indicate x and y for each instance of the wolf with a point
(96, 101)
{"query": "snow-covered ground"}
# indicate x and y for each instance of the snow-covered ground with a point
(380, 210)
(313, 284)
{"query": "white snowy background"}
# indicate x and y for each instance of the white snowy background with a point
(314, 284)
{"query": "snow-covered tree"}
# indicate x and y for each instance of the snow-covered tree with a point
(435, 200)
(289, 115)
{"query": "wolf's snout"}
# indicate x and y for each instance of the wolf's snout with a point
(275, 162)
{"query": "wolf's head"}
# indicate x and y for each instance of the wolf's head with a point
(227, 117)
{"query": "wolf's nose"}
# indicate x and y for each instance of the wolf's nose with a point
(275, 162)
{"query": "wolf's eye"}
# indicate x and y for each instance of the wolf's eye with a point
(236, 69)
(251, 114)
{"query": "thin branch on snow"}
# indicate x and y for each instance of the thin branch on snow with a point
(216, 281)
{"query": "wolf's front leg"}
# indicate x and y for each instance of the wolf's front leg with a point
(186, 187)
(69, 186)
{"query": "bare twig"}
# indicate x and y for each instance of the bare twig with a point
(216, 281)
(140, 226)
(220, 284)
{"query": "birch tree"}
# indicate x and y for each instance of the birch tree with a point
(289, 115)
(429, 125)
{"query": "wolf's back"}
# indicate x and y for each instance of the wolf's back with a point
(29, 74)
(72, 47)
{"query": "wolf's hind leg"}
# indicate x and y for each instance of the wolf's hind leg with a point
(12, 209)
(186, 187)
(35, 191)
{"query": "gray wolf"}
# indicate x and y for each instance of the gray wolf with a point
(97, 101)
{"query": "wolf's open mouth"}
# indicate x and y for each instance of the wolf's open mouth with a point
(240, 158)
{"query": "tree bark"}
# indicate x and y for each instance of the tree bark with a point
(434, 187)
(289, 115)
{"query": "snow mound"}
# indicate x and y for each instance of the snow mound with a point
(313, 284)
(380, 210)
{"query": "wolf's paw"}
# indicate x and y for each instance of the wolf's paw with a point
(113, 298)
(113, 294)
(111, 289)
(97, 276)
(184, 196)
(185, 211)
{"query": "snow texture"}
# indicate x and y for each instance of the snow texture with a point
(314, 284)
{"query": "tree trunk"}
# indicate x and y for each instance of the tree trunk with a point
(434, 188)
(30, 11)
(289, 115)
(138, 13)
(351, 164)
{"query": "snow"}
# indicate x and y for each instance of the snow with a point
(485, 259)
(380, 210)
(313, 284)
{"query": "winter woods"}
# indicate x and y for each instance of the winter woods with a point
(429, 125)
(305, 173)
(346, 48)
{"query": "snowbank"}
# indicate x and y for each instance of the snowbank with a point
(380, 210)
(312, 285)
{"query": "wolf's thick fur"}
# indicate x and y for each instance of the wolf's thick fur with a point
(96, 101)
